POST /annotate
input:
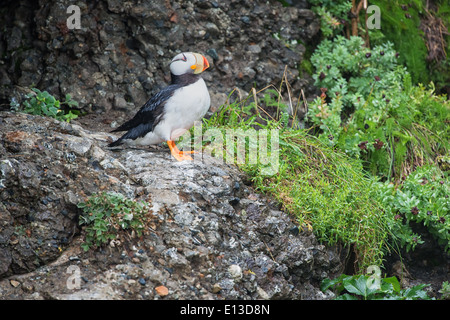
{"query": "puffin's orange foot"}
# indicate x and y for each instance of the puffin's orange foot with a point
(188, 152)
(177, 154)
(181, 157)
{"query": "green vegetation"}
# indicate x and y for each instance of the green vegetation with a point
(374, 162)
(445, 290)
(423, 198)
(327, 191)
(417, 32)
(333, 193)
(332, 14)
(365, 287)
(372, 111)
(381, 114)
(44, 104)
(111, 216)
(401, 25)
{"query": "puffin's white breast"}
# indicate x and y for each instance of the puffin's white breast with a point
(187, 105)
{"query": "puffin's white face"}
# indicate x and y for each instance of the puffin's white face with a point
(188, 62)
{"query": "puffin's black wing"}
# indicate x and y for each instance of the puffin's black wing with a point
(147, 117)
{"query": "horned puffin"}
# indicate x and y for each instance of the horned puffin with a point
(173, 110)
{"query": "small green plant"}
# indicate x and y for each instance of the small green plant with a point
(108, 216)
(43, 103)
(423, 198)
(331, 14)
(368, 287)
(445, 290)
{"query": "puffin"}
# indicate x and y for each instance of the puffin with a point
(171, 112)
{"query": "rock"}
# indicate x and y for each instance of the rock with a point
(235, 272)
(162, 291)
(262, 294)
(40, 190)
(119, 57)
(14, 283)
(212, 235)
(216, 288)
(119, 102)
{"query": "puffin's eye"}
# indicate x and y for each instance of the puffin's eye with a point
(181, 59)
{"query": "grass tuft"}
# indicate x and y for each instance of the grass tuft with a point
(325, 190)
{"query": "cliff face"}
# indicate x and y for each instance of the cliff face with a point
(119, 56)
(214, 237)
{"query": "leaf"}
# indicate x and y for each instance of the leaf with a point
(52, 110)
(358, 286)
(393, 281)
(416, 292)
(328, 283)
(72, 103)
(51, 99)
(346, 296)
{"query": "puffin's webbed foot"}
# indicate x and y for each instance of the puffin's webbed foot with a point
(177, 154)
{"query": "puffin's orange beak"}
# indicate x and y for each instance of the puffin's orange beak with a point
(201, 63)
(205, 63)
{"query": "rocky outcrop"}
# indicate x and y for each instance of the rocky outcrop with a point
(215, 237)
(119, 57)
